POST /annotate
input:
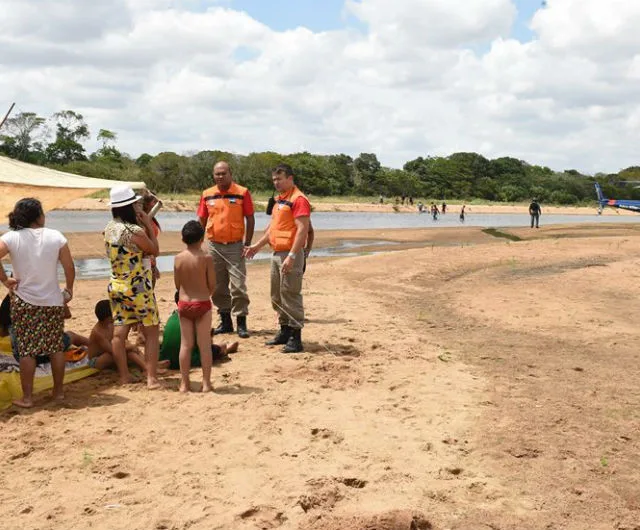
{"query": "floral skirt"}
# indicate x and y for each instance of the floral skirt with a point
(37, 329)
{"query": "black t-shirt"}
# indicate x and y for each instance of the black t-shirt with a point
(534, 208)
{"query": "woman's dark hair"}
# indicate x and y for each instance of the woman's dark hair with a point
(125, 213)
(192, 232)
(103, 310)
(25, 213)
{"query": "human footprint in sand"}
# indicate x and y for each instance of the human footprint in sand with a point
(195, 281)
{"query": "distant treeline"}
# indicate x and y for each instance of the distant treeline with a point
(57, 142)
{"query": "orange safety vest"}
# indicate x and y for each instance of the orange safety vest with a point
(283, 230)
(226, 217)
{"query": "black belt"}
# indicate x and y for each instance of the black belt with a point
(230, 242)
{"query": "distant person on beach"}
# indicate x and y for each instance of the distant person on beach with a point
(434, 211)
(170, 348)
(535, 211)
(462, 213)
(420, 207)
(128, 238)
(37, 302)
(411, 200)
(195, 280)
(381, 199)
(444, 207)
(287, 234)
(226, 212)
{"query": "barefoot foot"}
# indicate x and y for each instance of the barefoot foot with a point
(23, 403)
(185, 387)
(153, 384)
(207, 388)
(58, 396)
(233, 347)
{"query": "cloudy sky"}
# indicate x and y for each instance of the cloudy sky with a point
(554, 85)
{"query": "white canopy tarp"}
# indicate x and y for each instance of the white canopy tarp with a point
(53, 188)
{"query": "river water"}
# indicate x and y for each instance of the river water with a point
(94, 221)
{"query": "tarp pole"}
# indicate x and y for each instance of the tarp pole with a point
(7, 114)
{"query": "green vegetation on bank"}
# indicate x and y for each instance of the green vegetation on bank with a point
(57, 142)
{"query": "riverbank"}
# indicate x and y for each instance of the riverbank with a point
(90, 244)
(490, 385)
(88, 204)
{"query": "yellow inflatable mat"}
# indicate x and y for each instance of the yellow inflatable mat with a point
(10, 388)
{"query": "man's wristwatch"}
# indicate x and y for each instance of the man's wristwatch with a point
(292, 255)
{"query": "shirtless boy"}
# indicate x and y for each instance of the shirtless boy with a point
(195, 280)
(100, 351)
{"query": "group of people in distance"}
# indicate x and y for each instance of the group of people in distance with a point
(215, 274)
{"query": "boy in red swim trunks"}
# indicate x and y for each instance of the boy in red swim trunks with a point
(195, 280)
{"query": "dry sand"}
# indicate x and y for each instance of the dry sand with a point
(484, 386)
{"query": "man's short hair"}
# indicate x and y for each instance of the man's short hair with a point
(282, 168)
(103, 310)
(192, 232)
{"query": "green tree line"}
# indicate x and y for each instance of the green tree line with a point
(57, 142)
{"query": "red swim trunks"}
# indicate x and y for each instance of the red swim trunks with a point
(195, 309)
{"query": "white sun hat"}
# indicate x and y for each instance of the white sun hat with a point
(122, 196)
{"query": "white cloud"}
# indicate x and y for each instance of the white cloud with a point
(422, 77)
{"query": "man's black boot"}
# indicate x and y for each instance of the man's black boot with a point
(294, 344)
(226, 324)
(281, 338)
(243, 332)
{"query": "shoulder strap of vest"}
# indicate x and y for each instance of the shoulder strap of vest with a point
(235, 192)
(292, 198)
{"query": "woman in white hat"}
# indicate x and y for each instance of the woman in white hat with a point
(128, 237)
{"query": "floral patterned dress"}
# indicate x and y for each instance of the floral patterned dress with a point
(130, 287)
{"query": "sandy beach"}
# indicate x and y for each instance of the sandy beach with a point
(473, 382)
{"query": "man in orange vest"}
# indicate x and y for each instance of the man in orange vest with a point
(287, 234)
(223, 210)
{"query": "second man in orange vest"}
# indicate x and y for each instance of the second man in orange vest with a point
(287, 234)
(223, 211)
